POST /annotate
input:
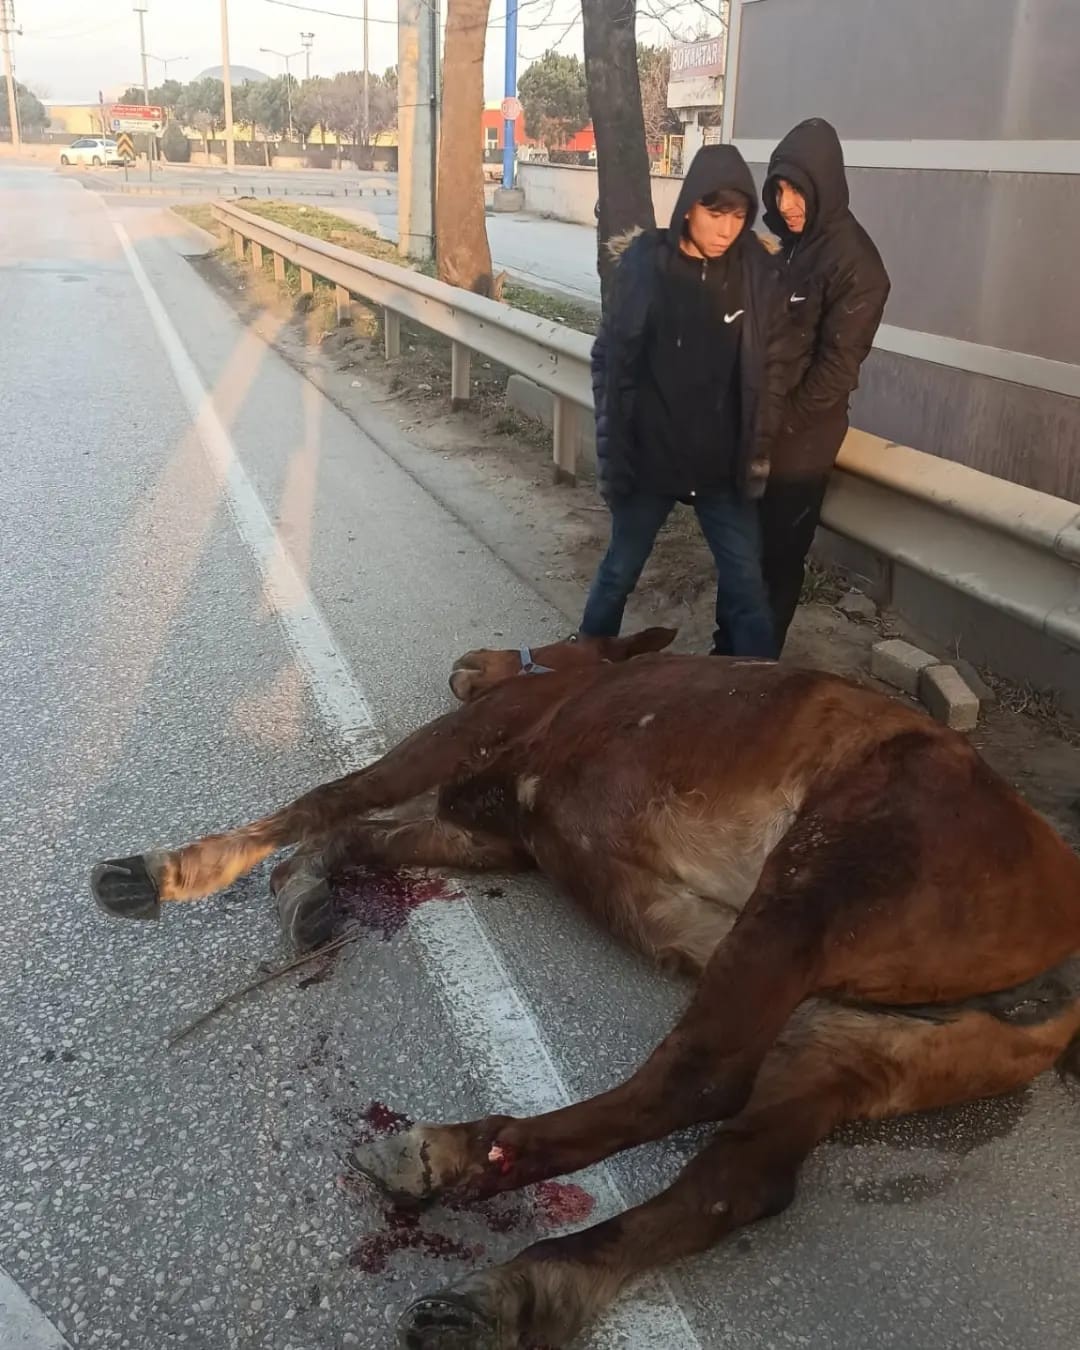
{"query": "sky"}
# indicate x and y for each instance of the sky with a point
(69, 50)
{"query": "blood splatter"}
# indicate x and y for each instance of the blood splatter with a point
(554, 1204)
(382, 901)
(549, 1204)
(381, 1120)
(404, 1232)
(560, 1202)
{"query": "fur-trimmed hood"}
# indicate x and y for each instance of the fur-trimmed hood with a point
(617, 245)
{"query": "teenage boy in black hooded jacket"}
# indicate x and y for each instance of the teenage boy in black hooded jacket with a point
(688, 388)
(835, 288)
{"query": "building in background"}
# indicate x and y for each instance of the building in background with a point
(75, 119)
(696, 93)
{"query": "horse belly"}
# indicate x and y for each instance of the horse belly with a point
(719, 853)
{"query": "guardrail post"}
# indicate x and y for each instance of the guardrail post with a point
(279, 268)
(392, 334)
(460, 369)
(566, 424)
(307, 282)
(343, 303)
(256, 256)
(238, 245)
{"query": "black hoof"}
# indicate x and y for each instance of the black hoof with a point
(448, 1321)
(305, 910)
(124, 888)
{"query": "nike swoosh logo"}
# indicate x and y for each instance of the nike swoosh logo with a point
(797, 299)
(730, 318)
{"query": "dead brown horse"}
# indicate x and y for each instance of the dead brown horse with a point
(876, 924)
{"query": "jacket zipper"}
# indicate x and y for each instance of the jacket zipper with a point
(704, 278)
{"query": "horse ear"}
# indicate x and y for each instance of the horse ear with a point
(637, 644)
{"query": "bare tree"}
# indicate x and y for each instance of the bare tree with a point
(463, 252)
(622, 160)
(654, 72)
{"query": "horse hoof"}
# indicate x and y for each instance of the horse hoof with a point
(399, 1165)
(305, 910)
(124, 888)
(449, 1321)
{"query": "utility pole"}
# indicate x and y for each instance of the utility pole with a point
(510, 88)
(367, 82)
(306, 41)
(433, 105)
(140, 10)
(7, 27)
(418, 48)
(226, 80)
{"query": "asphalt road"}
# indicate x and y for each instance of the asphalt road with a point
(216, 591)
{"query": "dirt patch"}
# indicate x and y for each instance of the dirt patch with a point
(492, 467)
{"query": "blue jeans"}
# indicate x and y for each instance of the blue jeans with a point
(744, 625)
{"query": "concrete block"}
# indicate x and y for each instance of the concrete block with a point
(509, 200)
(948, 698)
(900, 664)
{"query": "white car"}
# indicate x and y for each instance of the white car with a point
(95, 150)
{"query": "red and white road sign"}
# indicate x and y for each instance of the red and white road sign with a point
(511, 109)
(137, 112)
(136, 117)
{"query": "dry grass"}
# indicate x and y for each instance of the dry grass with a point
(1041, 705)
(821, 585)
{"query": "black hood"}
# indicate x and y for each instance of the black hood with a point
(714, 168)
(811, 158)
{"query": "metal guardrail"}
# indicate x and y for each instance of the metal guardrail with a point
(237, 190)
(1009, 547)
(554, 357)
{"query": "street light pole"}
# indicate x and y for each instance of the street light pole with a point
(226, 80)
(286, 57)
(166, 62)
(510, 87)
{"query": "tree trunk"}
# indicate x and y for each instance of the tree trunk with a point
(622, 160)
(460, 228)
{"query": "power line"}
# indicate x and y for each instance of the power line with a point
(51, 35)
(392, 23)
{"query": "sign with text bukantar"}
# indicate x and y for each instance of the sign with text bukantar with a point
(125, 147)
(139, 117)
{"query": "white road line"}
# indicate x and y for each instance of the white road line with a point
(491, 1019)
(23, 1326)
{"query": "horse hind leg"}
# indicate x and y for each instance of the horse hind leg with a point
(137, 886)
